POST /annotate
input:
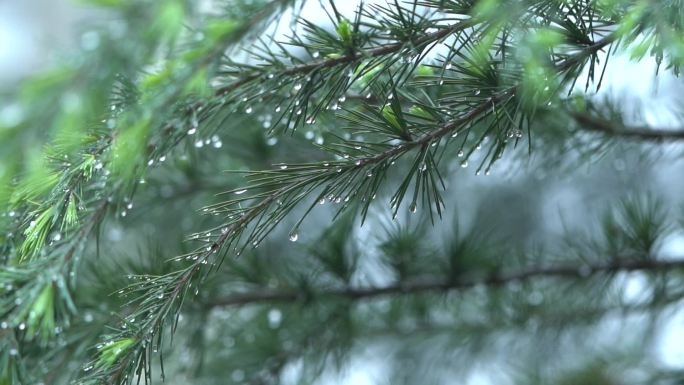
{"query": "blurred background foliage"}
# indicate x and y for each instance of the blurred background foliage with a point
(295, 192)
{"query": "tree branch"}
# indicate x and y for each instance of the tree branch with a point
(494, 280)
(594, 123)
(353, 56)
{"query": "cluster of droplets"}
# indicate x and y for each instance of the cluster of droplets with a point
(265, 120)
(214, 141)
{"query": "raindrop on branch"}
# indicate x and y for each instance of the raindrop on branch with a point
(294, 236)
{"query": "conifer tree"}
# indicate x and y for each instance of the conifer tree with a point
(299, 192)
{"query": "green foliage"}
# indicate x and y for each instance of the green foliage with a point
(213, 202)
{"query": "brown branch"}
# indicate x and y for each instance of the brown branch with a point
(494, 280)
(594, 123)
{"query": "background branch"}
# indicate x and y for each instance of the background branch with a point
(494, 280)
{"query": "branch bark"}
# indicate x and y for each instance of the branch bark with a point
(593, 123)
(417, 287)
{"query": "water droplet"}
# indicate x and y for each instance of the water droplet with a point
(272, 141)
(283, 166)
(342, 98)
(277, 109)
(22, 326)
(294, 236)
(199, 144)
(275, 316)
(315, 54)
(248, 110)
(477, 92)
(413, 208)
(192, 131)
(298, 86)
(460, 153)
(464, 164)
(57, 237)
(218, 144)
(13, 352)
(447, 66)
(239, 192)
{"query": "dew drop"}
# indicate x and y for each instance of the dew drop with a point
(275, 316)
(464, 164)
(192, 131)
(294, 236)
(460, 153)
(413, 208)
(297, 86)
(239, 192)
(248, 110)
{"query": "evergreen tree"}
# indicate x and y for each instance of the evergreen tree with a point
(285, 191)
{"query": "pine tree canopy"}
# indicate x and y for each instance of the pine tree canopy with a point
(354, 192)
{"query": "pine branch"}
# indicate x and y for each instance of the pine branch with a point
(597, 124)
(494, 280)
(388, 49)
